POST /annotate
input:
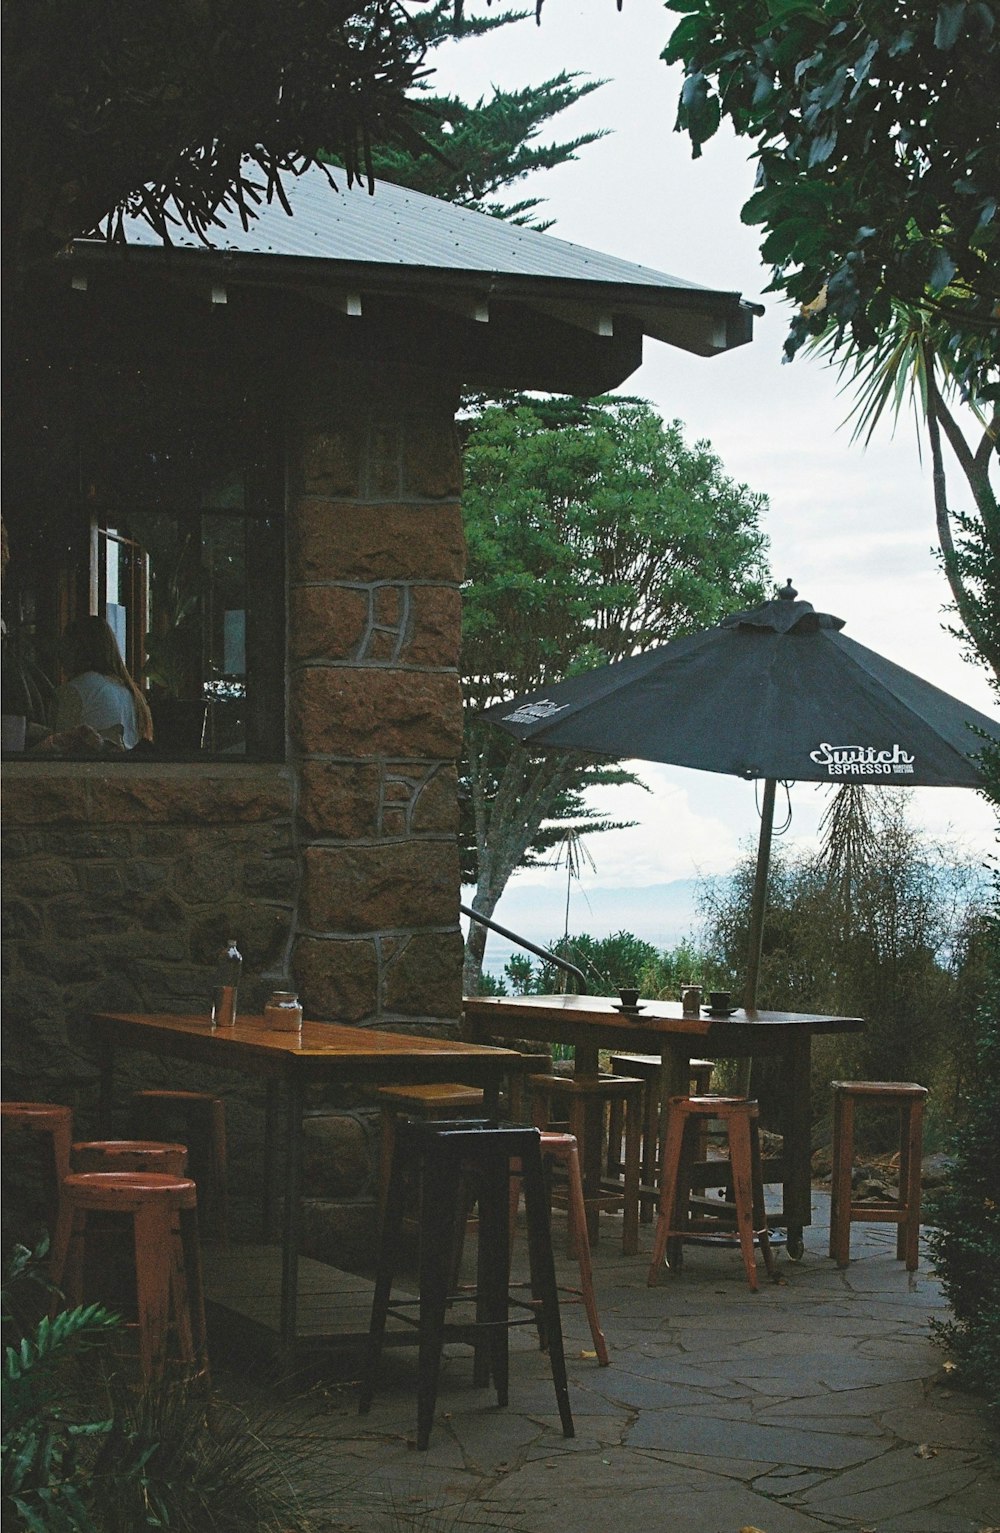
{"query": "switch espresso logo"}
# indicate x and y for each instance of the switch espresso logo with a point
(863, 760)
(530, 713)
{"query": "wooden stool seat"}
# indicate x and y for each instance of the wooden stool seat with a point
(198, 1120)
(168, 1287)
(905, 1211)
(434, 1100)
(577, 1100)
(445, 1154)
(92, 1155)
(562, 1150)
(50, 1127)
(685, 1119)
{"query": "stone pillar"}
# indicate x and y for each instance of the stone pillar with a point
(376, 555)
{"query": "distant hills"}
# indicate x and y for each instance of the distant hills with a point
(663, 914)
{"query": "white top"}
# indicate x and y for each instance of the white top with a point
(102, 702)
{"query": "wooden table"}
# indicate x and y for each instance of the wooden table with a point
(591, 1023)
(324, 1053)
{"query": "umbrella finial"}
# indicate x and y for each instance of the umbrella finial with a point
(788, 591)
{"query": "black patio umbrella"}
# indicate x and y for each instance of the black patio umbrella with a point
(777, 693)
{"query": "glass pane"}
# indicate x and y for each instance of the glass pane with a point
(224, 586)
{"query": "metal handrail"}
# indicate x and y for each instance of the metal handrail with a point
(539, 952)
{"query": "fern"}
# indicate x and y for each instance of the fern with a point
(41, 1479)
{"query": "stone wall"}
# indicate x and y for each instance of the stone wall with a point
(375, 561)
(337, 872)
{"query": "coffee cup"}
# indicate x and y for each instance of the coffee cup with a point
(629, 997)
(720, 1000)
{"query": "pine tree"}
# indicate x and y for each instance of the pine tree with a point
(468, 153)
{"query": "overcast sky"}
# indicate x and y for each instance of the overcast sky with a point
(853, 528)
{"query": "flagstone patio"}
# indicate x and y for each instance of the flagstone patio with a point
(820, 1402)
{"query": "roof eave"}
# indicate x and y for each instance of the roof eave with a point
(705, 321)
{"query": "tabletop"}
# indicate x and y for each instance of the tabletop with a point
(654, 1019)
(250, 1046)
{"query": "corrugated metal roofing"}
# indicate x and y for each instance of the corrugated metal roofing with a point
(401, 228)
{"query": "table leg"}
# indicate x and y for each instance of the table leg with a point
(797, 1149)
(269, 1204)
(106, 1098)
(491, 1094)
(587, 1123)
(675, 1081)
(292, 1213)
(591, 1137)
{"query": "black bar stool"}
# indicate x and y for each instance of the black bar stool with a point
(446, 1156)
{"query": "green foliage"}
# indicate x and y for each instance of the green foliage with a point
(610, 963)
(46, 1443)
(477, 149)
(965, 1239)
(87, 1450)
(470, 152)
(491, 984)
(877, 133)
(919, 360)
(592, 535)
(172, 111)
(190, 103)
(593, 531)
(882, 934)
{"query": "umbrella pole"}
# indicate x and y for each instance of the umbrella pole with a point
(758, 903)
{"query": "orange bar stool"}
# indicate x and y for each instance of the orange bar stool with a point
(109, 1242)
(558, 1099)
(198, 1120)
(49, 1129)
(169, 1299)
(91, 1155)
(909, 1098)
(561, 1150)
(649, 1067)
(678, 1220)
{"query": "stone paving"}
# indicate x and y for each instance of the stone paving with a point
(821, 1402)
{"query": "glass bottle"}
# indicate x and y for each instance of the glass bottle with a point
(227, 980)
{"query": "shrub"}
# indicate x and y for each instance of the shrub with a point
(965, 1240)
(86, 1451)
(889, 933)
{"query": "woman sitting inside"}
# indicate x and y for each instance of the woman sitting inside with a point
(100, 694)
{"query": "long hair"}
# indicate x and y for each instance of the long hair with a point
(89, 644)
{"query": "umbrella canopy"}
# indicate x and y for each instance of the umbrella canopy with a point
(778, 693)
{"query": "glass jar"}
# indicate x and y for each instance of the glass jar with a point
(283, 1014)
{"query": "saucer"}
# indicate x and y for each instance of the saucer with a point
(727, 1011)
(629, 1011)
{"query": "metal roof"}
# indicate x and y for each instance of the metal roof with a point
(549, 314)
(398, 227)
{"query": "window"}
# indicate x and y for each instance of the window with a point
(155, 502)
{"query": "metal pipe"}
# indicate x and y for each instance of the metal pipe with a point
(758, 902)
(539, 952)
